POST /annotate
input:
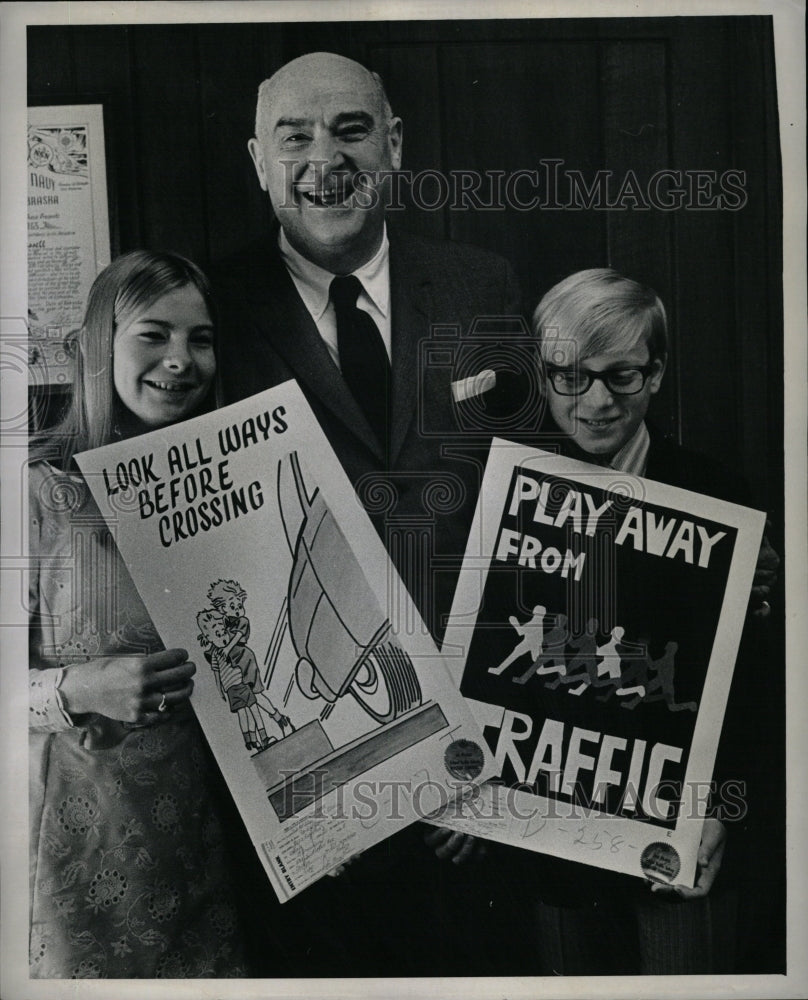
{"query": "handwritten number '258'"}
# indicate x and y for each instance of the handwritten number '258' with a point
(596, 843)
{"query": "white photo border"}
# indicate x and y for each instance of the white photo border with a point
(789, 34)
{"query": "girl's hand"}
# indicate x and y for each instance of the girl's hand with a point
(129, 688)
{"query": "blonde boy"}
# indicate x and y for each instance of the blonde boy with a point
(603, 344)
(603, 340)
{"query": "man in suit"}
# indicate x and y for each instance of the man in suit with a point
(325, 135)
(348, 306)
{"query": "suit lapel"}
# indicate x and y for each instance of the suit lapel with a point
(410, 301)
(296, 338)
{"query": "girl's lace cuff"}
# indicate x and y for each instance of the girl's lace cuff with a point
(46, 708)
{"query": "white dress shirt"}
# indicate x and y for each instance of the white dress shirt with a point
(313, 283)
(633, 456)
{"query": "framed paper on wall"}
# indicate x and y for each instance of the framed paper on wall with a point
(68, 231)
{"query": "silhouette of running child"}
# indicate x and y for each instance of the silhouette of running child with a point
(660, 686)
(631, 661)
(552, 658)
(609, 657)
(532, 633)
(609, 654)
(586, 658)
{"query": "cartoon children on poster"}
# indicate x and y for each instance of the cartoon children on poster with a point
(224, 630)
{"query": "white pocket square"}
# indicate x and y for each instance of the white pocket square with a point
(475, 385)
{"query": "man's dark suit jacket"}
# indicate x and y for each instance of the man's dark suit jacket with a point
(420, 497)
(398, 910)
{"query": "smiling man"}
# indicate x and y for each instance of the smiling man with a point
(322, 123)
(345, 304)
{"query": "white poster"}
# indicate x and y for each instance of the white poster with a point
(333, 723)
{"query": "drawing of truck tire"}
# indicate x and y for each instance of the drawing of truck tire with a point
(386, 685)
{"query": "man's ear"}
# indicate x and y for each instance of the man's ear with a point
(655, 379)
(396, 139)
(257, 154)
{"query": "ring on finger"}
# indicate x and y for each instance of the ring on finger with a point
(162, 707)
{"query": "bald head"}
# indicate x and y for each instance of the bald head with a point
(318, 71)
(325, 138)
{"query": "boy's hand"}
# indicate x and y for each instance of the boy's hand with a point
(339, 869)
(768, 563)
(457, 847)
(711, 854)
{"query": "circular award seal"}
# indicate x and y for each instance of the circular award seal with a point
(464, 759)
(660, 862)
(39, 154)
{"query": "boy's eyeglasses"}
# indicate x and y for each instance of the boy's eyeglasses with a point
(577, 381)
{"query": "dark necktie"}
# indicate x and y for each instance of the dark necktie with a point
(362, 355)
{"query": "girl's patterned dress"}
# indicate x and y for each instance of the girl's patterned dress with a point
(129, 876)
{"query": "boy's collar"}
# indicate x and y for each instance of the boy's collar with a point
(632, 458)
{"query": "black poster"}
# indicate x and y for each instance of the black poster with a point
(606, 613)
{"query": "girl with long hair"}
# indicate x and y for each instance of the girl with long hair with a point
(129, 876)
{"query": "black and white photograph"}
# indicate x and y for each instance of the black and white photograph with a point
(451, 237)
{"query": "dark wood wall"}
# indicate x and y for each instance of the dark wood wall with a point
(612, 94)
